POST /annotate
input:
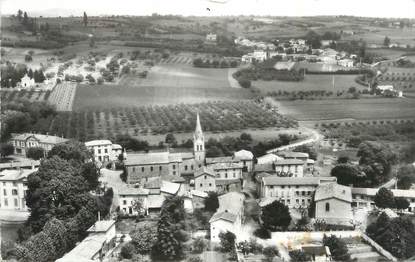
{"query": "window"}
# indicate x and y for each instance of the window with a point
(151, 168)
(200, 165)
(14, 184)
(106, 151)
(14, 192)
(303, 193)
(201, 185)
(205, 177)
(99, 151)
(191, 167)
(185, 167)
(327, 207)
(142, 169)
(297, 201)
(124, 202)
(226, 175)
(297, 186)
(16, 204)
(210, 184)
(174, 173)
(282, 187)
(234, 175)
(4, 192)
(174, 166)
(160, 168)
(272, 187)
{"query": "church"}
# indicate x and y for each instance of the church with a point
(145, 167)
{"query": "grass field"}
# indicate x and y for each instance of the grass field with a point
(310, 83)
(350, 109)
(165, 84)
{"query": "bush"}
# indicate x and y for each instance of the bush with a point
(262, 233)
(127, 251)
(299, 256)
(245, 83)
(35, 153)
(199, 245)
(270, 252)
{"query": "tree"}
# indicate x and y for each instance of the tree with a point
(395, 235)
(35, 153)
(19, 15)
(211, 202)
(401, 203)
(85, 19)
(171, 140)
(127, 251)
(6, 149)
(270, 252)
(384, 198)
(338, 248)
(71, 151)
(299, 256)
(144, 238)
(91, 174)
(199, 245)
(245, 83)
(347, 174)
(25, 19)
(227, 241)
(276, 216)
(386, 41)
(28, 58)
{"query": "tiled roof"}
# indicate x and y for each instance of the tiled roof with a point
(288, 162)
(232, 201)
(224, 215)
(221, 159)
(169, 187)
(47, 139)
(243, 155)
(276, 180)
(204, 170)
(20, 164)
(268, 158)
(291, 154)
(333, 190)
(15, 174)
(199, 193)
(150, 158)
(372, 192)
(219, 166)
(227, 181)
(264, 168)
(98, 143)
(85, 250)
(128, 190)
(155, 201)
(101, 226)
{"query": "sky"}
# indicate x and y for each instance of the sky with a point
(369, 8)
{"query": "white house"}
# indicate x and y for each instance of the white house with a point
(205, 180)
(101, 149)
(13, 189)
(292, 191)
(211, 37)
(246, 157)
(345, 62)
(127, 198)
(268, 159)
(290, 167)
(229, 216)
(228, 170)
(27, 82)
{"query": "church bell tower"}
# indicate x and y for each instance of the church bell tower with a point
(199, 142)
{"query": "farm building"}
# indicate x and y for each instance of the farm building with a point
(27, 82)
(22, 142)
(211, 37)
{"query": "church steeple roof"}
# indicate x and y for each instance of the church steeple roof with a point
(198, 130)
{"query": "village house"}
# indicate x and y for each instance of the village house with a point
(204, 180)
(227, 170)
(268, 159)
(211, 37)
(127, 198)
(22, 142)
(294, 192)
(333, 203)
(229, 215)
(27, 82)
(364, 197)
(345, 62)
(104, 150)
(98, 243)
(13, 189)
(289, 167)
(247, 159)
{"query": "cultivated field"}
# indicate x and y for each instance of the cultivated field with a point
(63, 96)
(145, 120)
(171, 82)
(31, 95)
(310, 83)
(350, 109)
